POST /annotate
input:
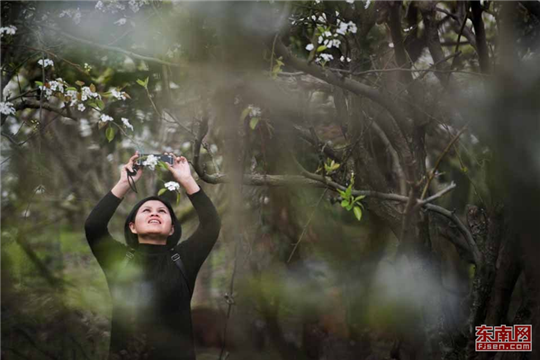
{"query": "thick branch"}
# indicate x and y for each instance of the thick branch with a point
(396, 131)
(33, 104)
(480, 33)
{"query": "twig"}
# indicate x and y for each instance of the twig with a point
(432, 172)
(113, 48)
(441, 193)
(307, 224)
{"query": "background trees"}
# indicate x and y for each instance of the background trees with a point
(375, 165)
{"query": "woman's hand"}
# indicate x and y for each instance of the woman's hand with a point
(122, 187)
(180, 168)
(129, 168)
(182, 173)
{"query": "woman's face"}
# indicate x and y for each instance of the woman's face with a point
(152, 220)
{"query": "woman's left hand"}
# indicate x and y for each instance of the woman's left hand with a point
(180, 169)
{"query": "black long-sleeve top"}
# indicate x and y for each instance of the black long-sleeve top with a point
(151, 303)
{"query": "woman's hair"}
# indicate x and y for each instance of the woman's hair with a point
(132, 239)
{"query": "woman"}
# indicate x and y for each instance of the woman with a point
(150, 280)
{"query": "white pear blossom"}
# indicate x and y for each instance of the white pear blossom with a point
(172, 186)
(327, 57)
(81, 107)
(105, 118)
(309, 47)
(151, 162)
(352, 27)
(135, 5)
(72, 94)
(73, 14)
(254, 111)
(350, 1)
(99, 6)
(57, 85)
(367, 4)
(7, 108)
(45, 62)
(320, 40)
(120, 95)
(47, 92)
(8, 30)
(87, 93)
(127, 124)
(120, 22)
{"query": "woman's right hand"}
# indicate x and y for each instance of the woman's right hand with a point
(123, 185)
(129, 167)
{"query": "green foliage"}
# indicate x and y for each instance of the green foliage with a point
(161, 191)
(109, 133)
(144, 83)
(253, 123)
(350, 201)
(329, 167)
(276, 69)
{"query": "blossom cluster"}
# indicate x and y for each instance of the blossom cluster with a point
(127, 123)
(7, 108)
(73, 14)
(172, 186)
(105, 118)
(52, 86)
(328, 34)
(45, 62)
(120, 95)
(254, 111)
(115, 6)
(151, 162)
(8, 30)
(87, 93)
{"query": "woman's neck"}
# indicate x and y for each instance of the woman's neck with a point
(152, 241)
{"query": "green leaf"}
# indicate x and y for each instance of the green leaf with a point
(321, 48)
(360, 197)
(342, 193)
(177, 198)
(80, 83)
(39, 83)
(70, 88)
(161, 191)
(358, 213)
(100, 104)
(109, 133)
(253, 123)
(244, 114)
(162, 165)
(348, 192)
(344, 203)
(144, 83)
(349, 207)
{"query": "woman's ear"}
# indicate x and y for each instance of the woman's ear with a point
(172, 230)
(132, 227)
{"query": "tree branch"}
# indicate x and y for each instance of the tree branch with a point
(114, 48)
